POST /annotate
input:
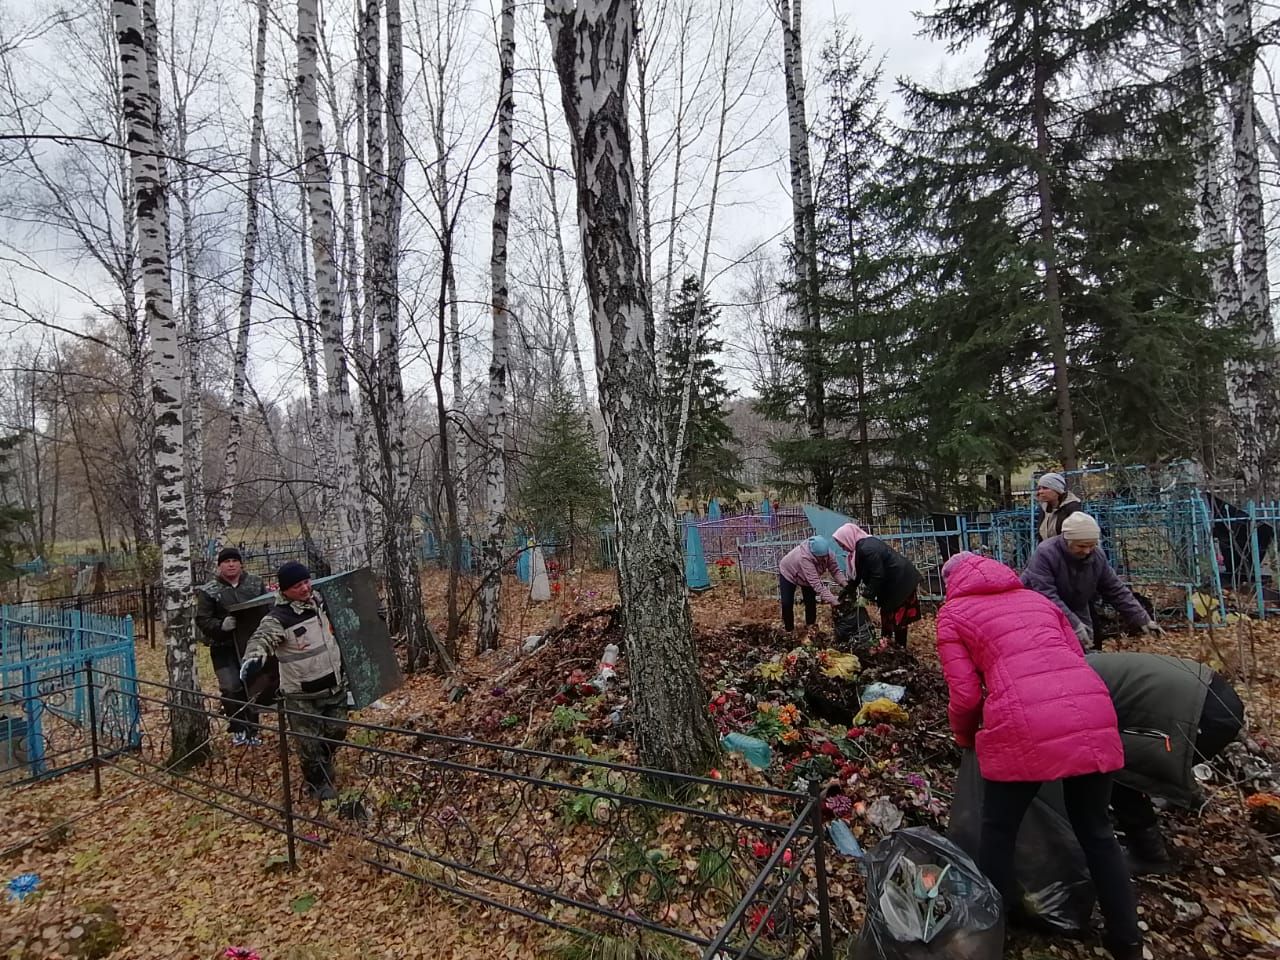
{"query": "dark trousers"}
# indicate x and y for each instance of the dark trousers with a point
(241, 712)
(318, 727)
(787, 590)
(1003, 807)
(1220, 723)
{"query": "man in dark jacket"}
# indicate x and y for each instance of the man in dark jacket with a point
(217, 627)
(1072, 572)
(1173, 714)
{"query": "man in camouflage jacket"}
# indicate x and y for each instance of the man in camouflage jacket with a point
(217, 626)
(297, 632)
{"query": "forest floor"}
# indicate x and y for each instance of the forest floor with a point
(146, 873)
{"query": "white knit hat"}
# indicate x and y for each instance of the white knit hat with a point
(1081, 526)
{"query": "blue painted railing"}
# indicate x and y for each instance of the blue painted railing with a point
(68, 688)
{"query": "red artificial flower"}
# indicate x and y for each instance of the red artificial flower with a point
(241, 953)
(829, 749)
(882, 729)
(761, 850)
(714, 774)
(759, 916)
(856, 732)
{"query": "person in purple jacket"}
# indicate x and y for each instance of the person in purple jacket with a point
(803, 567)
(1072, 572)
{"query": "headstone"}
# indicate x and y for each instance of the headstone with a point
(695, 561)
(540, 583)
(524, 563)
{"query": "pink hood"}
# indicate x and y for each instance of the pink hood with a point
(1021, 691)
(848, 536)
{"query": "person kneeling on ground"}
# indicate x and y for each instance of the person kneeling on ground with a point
(298, 633)
(803, 567)
(1072, 572)
(1173, 714)
(888, 579)
(217, 624)
(1023, 696)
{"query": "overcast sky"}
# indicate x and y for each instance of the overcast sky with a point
(757, 212)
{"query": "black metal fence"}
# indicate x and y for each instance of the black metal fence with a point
(575, 843)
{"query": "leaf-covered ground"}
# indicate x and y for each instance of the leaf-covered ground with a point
(174, 878)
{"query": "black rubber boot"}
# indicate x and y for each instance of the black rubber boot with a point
(319, 782)
(1123, 951)
(1147, 853)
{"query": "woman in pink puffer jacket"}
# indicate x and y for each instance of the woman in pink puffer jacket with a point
(1024, 697)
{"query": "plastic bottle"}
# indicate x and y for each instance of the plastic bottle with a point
(608, 661)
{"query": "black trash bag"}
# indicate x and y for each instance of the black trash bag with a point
(1048, 862)
(926, 900)
(851, 623)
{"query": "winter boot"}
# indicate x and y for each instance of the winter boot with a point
(1147, 853)
(1123, 951)
(319, 782)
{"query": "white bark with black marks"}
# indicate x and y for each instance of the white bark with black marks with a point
(496, 416)
(591, 42)
(189, 728)
(1251, 384)
(351, 548)
(248, 270)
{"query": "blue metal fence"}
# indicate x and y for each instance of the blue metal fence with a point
(53, 712)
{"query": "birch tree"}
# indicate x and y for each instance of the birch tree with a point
(1251, 384)
(591, 42)
(351, 533)
(496, 415)
(248, 269)
(189, 726)
(805, 251)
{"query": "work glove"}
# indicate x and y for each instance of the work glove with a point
(1085, 635)
(228, 624)
(250, 666)
(1152, 629)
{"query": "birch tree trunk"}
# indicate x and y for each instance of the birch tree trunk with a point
(1251, 384)
(193, 410)
(566, 288)
(806, 246)
(351, 550)
(189, 727)
(591, 42)
(406, 611)
(496, 417)
(682, 414)
(248, 270)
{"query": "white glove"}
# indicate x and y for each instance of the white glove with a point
(1085, 635)
(250, 666)
(228, 624)
(1152, 629)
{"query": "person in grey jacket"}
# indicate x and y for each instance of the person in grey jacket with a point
(1072, 572)
(1058, 503)
(1173, 714)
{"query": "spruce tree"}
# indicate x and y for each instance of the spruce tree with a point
(1062, 293)
(861, 271)
(563, 494)
(708, 461)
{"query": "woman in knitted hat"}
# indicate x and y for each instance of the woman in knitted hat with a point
(1072, 572)
(1058, 503)
(803, 568)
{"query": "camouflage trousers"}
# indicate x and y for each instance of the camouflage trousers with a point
(317, 727)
